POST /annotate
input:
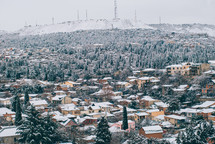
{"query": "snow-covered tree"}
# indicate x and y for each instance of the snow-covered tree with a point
(174, 106)
(50, 133)
(18, 117)
(197, 133)
(31, 129)
(103, 135)
(36, 130)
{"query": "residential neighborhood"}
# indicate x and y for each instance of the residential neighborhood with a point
(158, 105)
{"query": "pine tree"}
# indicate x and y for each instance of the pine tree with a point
(36, 130)
(50, 134)
(174, 106)
(196, 133)
(31, 129)
(125, 119)
(133, 105)
(103, 135)
(18, 116)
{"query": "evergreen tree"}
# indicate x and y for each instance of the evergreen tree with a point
(13, 101)
(18, 116)
(36, 130)
(26, 98)
(73, 140)
(50, 134)
(103, 135)
(174, 106)
(31, 128)
(196, 133)
(125, 119)
(133, 105)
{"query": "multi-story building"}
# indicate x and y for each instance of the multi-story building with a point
(187, 69)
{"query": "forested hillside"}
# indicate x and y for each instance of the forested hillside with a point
(104, 51)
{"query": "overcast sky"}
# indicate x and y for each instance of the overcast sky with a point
(14, 14)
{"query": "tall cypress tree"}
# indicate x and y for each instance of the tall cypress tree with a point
(18, 116)
(13, 101)
(125, 119)
(26, 98)
(103, 135)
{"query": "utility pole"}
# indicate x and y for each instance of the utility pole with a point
(159, 20)
(86, 15)
(52, 20)
(78, 15)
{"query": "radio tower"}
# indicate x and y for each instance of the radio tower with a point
(135, 16)
(115, 10)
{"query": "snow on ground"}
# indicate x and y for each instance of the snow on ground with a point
(72, 26)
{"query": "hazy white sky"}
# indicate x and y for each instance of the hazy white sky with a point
(15, 13)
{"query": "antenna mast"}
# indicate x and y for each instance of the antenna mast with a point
(86, 15)
(115, 10)
(135, 16)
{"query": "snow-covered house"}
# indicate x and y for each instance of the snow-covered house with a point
(154, 112)
(147, 101)
(9, 135)
(86, 121)
(71, 84)
(161, 106)
(5, 101)
(152, 132)
(38, 103)
(6, 113)
(61, 99)
(69, 109)
(140, 116)
(131, 125)
(175, 119)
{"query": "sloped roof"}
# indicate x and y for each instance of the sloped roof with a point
(8, 131)
(152, 129)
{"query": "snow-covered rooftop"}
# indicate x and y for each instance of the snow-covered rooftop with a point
(205, 104)
(4, 110)
(152, 129)
(37, 102)
(176, 117)
(148, 98)
(8, 131)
